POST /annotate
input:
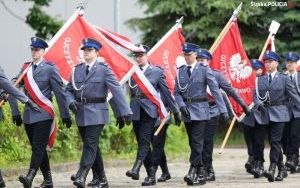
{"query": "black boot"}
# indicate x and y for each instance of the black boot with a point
(150, 179)
(270, 173)
(165, 173)
(95, 179)
(2, 184)
(191, 177)
(258, 169)
(27, 180)
(210, 173)
(249, 164)
(201, 178)
(291, 163)
(282, 173)
(81, 177)
(134, 173)
(101, 182)
(47, 183)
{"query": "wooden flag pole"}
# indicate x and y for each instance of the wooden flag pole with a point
(225, 29)
(273, 30)
(227, 135)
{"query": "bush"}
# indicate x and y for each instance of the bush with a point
(15, 148)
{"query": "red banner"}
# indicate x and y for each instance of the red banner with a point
(165, 52)
(65, 52)
(231, 59)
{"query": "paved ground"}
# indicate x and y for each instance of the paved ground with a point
(229, 168)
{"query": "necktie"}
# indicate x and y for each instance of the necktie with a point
(34, 67)
(189, 70)
(141, 68)
(291, 77)
(270, 78)
(87, 70)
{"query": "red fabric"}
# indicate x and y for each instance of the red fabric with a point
(165, 54)
(230, 58)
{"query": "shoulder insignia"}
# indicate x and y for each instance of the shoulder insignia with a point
(49, 63)
(79, 64)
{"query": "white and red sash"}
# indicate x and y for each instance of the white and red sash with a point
(43, 102)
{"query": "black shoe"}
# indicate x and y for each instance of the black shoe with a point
(73, 177)
(47, 183)
(270, 173)
(165, 173)
(101, 182)
(150, 179)
(249, 164)
(164, 177)
(93, 182)
(81, 177)
(210, 173)
(291, 163)
(192, 175)
(258, 169)
(2, 184)
(282, 173)
(201, 178)
(134, 173)
(27, 180)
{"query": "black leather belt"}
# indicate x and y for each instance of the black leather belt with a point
(194, 99)
(139, 96)
(91, 100)
(274, 103)
(211, 103)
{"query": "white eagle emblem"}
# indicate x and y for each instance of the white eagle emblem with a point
(239, 70)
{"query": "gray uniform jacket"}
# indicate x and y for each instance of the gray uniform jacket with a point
(294, 111)
(279, 90)
(96, 84)
(7, 86)
(229, 90)
(156, 77)
(47, 78)
(196, 86)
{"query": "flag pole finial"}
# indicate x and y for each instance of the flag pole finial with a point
(180, 20)
(236, 11)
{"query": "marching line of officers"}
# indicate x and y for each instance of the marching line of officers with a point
(276, 113)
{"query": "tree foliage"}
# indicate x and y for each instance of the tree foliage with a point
(45, 25)
(204, 20)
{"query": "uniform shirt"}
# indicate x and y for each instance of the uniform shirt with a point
(192, 66)
(90, 65)
(272, 74)
(144, 68)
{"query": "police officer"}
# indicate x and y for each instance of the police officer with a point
(191, 96)
(38, 123)
(87, 92)
(145, 114)
(204, 57)
(7, 88)
(270, 110)
(157, 157)
(291, 136)
(249, 129)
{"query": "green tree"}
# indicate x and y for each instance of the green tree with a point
(204, 20)
(45, 25)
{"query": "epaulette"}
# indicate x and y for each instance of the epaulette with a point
(49, 63)
(203, 64)
(103, 63)
(159, 67)
(181, 66)
(79, 64)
